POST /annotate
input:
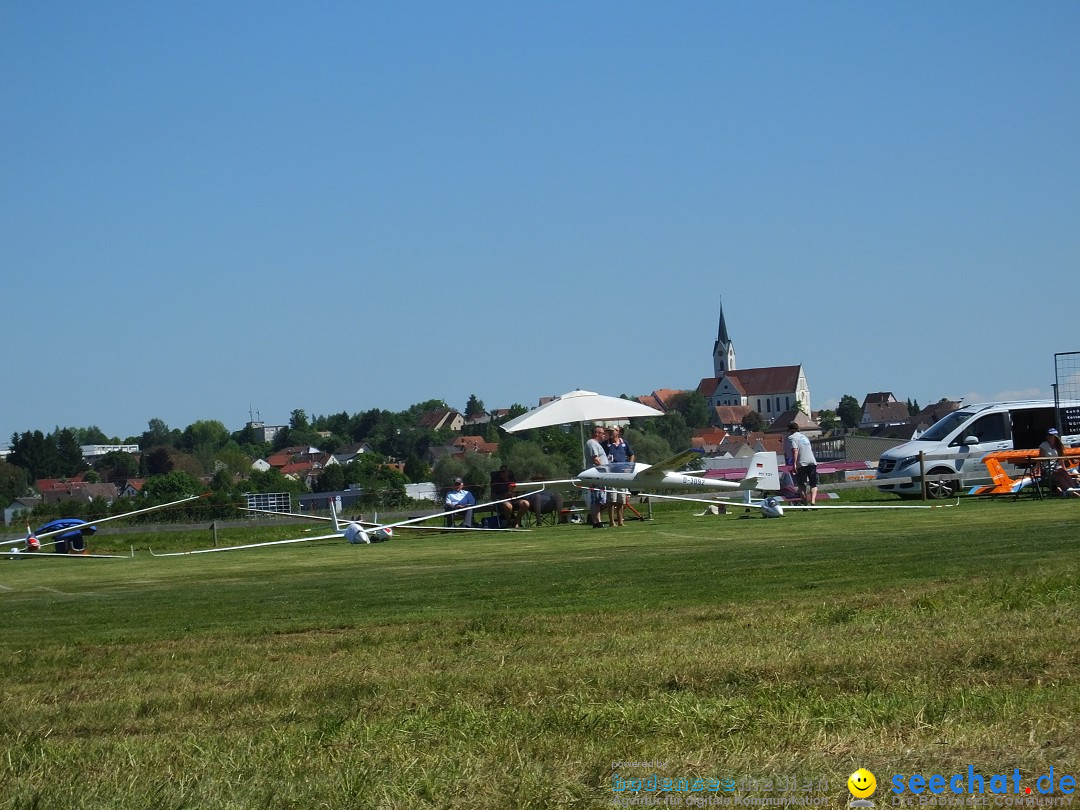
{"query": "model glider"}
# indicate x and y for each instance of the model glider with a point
(69, 531)
(1027, 460)
(665, 475)
(368, 524)
(353, 531)
(775, 505)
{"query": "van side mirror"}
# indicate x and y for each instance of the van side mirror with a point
(970, 440)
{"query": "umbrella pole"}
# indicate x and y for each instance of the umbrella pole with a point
(584, 463)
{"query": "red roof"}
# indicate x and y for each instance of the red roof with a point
(59, 484)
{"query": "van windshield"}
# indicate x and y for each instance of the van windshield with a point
(944, 426)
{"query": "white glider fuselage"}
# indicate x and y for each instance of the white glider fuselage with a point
(663, 475)
(640, 477)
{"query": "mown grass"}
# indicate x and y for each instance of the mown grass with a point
(514, 670)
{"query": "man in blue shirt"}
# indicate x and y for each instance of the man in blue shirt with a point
(618, 451)
(457, 498)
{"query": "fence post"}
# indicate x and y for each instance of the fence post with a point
(922, 472)
(213, 528)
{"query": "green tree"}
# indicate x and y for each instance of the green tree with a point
(671, 427)
(223, 482)
(849, 410)
(693, 406)
(116, 465)
(235, 458)
(158, 435)
(416, 470)
(383, 486)
(158, 461)
(35, 454)
(68, 453)
(273, 481)
(171, 486)
(513, 412)
(753, 422)
(13, 482)
(335, 423)
(331, 480)
(299, 420)
(206, 434)
(828, 419)
(92, 435)
(474, 406)
(250, 442)
(529, 461)
(420, 408)
(446, 469)
(913, 407)
(649, 448)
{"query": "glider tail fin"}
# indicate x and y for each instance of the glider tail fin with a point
(763, 473)
(1002, 482)
(333, 513)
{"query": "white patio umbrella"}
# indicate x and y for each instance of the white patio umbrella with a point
(580, 406)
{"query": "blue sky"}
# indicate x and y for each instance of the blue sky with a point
(211, 207)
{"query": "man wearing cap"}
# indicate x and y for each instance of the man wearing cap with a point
(597, 457)
(457, 498)
(800, 456)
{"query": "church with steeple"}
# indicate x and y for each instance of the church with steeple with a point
(723, 352)
(778, 393)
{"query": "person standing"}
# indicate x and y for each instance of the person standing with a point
(596, 456)
(798, 453)
(618, 451)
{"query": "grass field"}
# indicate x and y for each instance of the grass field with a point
(523, 670)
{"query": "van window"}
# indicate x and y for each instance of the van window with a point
(994, 427)
(944, 426)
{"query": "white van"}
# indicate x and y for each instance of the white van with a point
(957, 443)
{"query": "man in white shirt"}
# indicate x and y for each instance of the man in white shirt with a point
(596, 455)
(800, 456)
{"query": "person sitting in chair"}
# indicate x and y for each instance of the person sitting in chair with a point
(1063, 481)
(788, 489)
(543, 503)
(457, 498)
(502, 486)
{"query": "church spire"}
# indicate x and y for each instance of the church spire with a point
(723, 349)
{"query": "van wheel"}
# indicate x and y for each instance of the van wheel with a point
(941, 489)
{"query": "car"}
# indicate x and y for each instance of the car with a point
(956, 444)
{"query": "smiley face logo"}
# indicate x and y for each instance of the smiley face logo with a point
(862, 783)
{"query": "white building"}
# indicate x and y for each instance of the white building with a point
(92, 452)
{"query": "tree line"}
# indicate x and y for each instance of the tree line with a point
(206, 455)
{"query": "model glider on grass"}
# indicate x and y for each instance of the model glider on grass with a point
(775, 505)
(354, 532)
(374, 525)
(70, 536)
(665, 475)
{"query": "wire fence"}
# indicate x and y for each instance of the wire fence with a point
(1067, 387)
